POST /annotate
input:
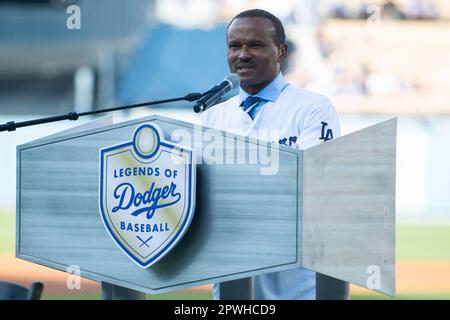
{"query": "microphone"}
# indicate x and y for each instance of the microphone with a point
(211, 96)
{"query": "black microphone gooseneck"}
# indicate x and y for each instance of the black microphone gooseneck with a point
(11, 126)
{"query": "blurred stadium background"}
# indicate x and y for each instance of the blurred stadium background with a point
(376, 59)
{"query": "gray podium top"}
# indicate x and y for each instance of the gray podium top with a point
(330, 208)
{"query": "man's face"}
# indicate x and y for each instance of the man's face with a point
(253, 54)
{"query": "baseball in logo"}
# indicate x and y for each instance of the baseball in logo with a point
(147, 194)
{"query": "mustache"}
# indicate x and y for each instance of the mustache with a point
(246, 64)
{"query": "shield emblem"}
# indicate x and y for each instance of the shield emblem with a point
(146, 194)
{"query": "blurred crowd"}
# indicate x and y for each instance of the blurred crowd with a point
(325, 34)
(411, 10)
(332, 75)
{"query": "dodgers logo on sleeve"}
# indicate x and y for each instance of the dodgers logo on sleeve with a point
(146, 194)
(329, 133)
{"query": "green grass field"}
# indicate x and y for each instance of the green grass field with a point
(423, 242)
(7, 232)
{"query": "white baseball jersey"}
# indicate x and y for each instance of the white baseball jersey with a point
(297, 118)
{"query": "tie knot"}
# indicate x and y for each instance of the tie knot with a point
(250, 102)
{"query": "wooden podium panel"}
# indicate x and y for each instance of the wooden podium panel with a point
(349, 208)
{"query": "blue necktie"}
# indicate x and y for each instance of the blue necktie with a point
(249, 105)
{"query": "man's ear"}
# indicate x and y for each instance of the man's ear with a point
(283, 52)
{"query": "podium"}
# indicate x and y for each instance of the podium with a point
(330, 208)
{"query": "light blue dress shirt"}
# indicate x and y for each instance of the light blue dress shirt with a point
(269, 93)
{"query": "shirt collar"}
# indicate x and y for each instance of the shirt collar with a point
(270, 93)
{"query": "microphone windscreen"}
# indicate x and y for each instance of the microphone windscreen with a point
(233, 78)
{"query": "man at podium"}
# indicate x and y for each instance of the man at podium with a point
(266, 102)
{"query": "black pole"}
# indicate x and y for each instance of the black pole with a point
(329, 288)
(12, 126)
(240, 289)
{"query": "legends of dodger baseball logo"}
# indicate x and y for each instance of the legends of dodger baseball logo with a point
(147, 194)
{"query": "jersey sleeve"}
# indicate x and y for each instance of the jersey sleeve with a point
(319, 125)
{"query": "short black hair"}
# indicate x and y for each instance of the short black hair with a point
(280, 36)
